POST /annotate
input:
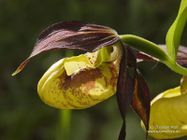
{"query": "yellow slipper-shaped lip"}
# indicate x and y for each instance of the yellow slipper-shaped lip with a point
(77, 82)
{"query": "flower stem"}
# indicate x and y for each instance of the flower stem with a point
(152, 49)
(63, 132)
(144, 45)
(176, 67)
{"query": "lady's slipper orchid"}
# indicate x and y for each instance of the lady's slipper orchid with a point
(168, 113)
(108, 67)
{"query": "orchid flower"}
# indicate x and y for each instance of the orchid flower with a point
(108, 66)
(168, 113)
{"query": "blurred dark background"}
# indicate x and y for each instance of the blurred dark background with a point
(23, 116)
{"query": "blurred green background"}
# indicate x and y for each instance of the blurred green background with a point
(22, 114)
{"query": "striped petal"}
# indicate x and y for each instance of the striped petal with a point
(71, 35)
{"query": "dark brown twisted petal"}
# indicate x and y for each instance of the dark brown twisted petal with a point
(125, 86)
(122, 91)
(132, 89)
(141, 56)
(141, 99)
(181, 55)
(72, 35)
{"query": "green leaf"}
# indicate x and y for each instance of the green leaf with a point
(173, 36)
